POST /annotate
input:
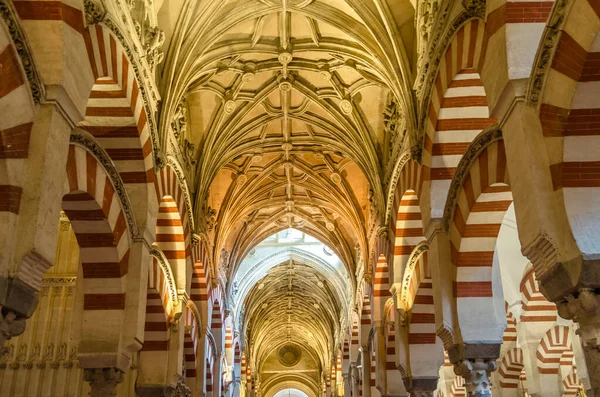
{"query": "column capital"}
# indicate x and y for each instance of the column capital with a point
(103, 381)
(476, 372)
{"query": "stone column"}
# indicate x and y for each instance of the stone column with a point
(103, 381)
(347, 384)
(32, 243)
(366, 372)
(585, 310)
(477, 373)
(355, 380)
(380, 356)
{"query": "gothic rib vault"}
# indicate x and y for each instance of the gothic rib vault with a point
(311, 198)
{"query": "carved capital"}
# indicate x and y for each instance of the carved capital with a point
(583, 309)
(10, 325)
(476, 373)
(103, 381)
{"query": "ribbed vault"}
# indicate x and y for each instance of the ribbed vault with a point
(291, 290)
(286, 104)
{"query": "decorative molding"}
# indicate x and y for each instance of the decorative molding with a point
(184, 188)
(542, 253)
(163, 262)
(50, 281)
(479, 144)
(84, 140)
(546, 50)
(32, 269)
(408, 274)
(94, 12)
(10, 16)
(425, 88)
(393, 185)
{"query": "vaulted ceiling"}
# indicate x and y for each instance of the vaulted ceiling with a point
(285, 102)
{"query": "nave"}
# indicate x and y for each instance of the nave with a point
(301, 198)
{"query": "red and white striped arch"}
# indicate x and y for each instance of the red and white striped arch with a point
(381, 287)
(159, 310)
(409, 232)
(346, 357)
(115, 113)
(571, 384)
(458, 387)
(173, 224)
(366, 319)
(536, 308)
(354, 340)
(191, 344)
(551, 349)
(373, 375)
(96, 215)
(479, 210)
(510, 368)
(458, 109)
(510, 333)
(15, 131)
(409, 224)
(569, 112)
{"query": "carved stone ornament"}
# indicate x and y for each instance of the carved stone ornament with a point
(179, 119)
(154, 38)
(545, 54)
(476, 373)
(542, 253)
(32, 268)
(584, 309)
(10, 326)
(17, 34)
(103, 381)
(475, 8)
(394, 125)
(145, 86)
(94, 12)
